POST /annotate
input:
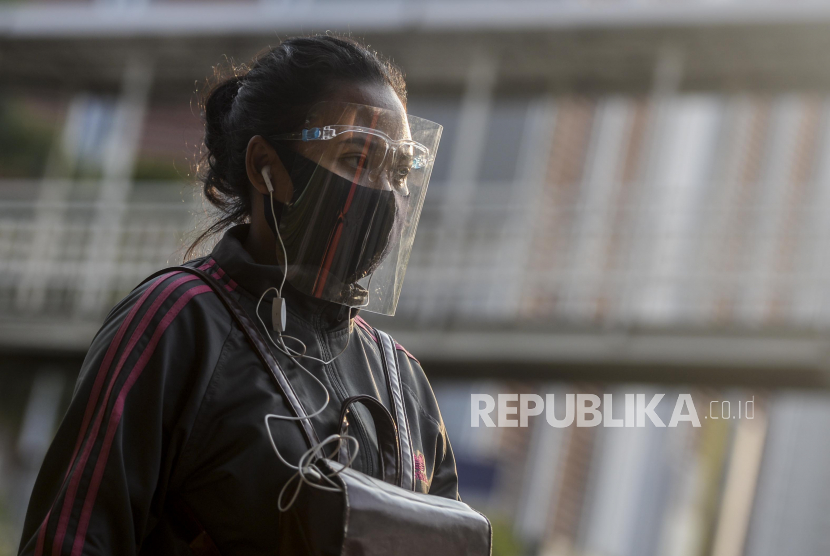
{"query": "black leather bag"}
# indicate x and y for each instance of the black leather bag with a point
(367, 517)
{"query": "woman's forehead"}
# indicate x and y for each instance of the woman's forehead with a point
(393, 123)
(368, 94)
(372, 105)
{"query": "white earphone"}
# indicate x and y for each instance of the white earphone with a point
(266, 175)
(305, 468)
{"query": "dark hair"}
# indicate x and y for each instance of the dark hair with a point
(274, 96)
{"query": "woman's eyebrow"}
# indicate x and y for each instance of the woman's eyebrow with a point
(361, 141)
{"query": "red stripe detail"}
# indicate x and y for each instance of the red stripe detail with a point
(118, 410)
(330, 251)
(365, 326)
(368, 328)
(220, 273)
(72, 490)
(41, 537)
(403, 349)
(105, 364)
(230, 286)
(93, 398)
(96, 390)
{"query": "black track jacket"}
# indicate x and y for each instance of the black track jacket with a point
(172, 398)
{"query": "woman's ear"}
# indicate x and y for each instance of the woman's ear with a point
(260, 154)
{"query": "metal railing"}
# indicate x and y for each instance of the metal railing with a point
(46, 255)
(494, 266)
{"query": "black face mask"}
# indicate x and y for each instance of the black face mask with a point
(335, 232)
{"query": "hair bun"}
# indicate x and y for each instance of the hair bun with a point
(218, 108)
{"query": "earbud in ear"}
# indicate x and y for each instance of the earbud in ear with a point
(266, 175)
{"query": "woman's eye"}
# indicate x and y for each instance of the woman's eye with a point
(354, 161)
(399, 180)
(403, 171)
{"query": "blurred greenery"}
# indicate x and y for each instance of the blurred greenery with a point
(8, 540)
(155, 169)
(25, 139)
(505, 542)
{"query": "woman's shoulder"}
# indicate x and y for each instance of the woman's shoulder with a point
(172, 310)
(172, 292)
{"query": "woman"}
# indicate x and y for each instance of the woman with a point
(314, 161)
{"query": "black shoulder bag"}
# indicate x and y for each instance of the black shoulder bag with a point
(368, 517)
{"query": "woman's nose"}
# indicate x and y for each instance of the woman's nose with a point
(380, 180)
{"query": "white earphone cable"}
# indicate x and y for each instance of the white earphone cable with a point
(305, 467)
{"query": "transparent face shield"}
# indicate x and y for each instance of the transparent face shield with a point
(359, 176)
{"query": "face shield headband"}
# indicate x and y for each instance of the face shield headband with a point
(359, 176)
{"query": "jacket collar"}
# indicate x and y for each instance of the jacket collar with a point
(255, 278)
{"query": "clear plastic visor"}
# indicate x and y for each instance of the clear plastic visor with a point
(359, 175)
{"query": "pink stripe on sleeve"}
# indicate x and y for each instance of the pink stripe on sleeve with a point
(69, 499)
(219, 274)
(96, 391)
(105, 364)
(117, 412)
(98, 384)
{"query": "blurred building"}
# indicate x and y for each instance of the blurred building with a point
(630, 196)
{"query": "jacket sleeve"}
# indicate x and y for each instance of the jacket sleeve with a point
(445, 476)
(101, 487)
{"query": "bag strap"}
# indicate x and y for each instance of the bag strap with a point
(260, 346)
(389, 357)
(387, 433)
